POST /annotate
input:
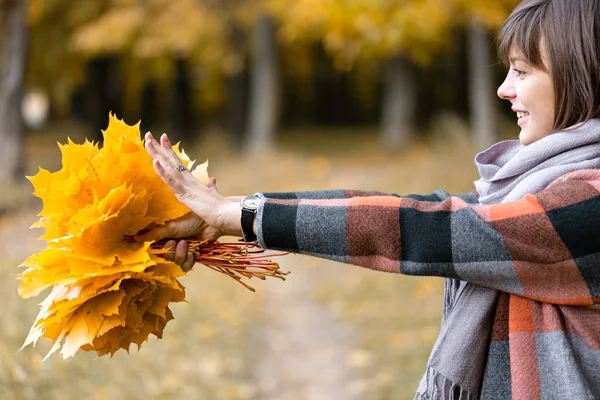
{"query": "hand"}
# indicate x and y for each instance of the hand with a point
(190, 225)
(179, 254)
(218, 212)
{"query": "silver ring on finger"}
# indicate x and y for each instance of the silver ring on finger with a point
(180, 167)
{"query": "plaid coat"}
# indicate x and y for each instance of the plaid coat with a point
(541, 252)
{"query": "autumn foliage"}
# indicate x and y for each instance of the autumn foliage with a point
(108, 290)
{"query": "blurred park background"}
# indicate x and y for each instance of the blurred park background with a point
(280, 95)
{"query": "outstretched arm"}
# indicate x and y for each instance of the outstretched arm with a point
(544, 246)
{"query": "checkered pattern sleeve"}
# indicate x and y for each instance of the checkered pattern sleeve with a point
(323, 195)
(544, 247)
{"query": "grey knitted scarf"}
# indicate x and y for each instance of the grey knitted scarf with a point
(508, 172)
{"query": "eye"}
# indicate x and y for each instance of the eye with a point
(519, 72)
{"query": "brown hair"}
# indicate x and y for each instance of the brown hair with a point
(570, 32)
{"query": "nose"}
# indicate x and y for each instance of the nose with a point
(506, 91)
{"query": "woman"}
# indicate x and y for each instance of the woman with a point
(521, 255)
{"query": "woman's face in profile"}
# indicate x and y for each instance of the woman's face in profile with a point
(531, 93)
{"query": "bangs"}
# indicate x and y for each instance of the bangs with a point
(521, 35)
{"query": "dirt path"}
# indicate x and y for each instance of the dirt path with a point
(305, 345)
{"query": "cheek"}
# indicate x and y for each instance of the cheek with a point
(549, 114)
(546, 112)
(547, 99)
(539, 100)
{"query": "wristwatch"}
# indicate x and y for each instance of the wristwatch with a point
(249, 207)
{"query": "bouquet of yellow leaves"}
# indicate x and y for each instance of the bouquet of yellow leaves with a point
(109, 291)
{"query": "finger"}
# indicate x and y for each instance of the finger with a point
(158, 233)
(138, 237)
(166, 163)
(164, 141)
(168, 177)
(189, 262)
(180, 252)
(149, 137)
(152, 146)
(171, 254)
(212, 184)
(164, 153)
(167, 157)
(166, 148)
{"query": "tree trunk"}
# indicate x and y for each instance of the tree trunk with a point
(263, 107)
(183, 114)
(12, 70)
(481, 87)
(103, 94)
(149, 110)
(399, 104)
(237, 88)
(237, 109)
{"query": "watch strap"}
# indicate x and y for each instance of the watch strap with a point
(247, 220)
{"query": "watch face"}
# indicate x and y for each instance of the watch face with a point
(250, 202)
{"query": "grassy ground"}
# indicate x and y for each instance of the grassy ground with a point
(331, 331)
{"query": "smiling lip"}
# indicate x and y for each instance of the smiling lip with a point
(522, 120)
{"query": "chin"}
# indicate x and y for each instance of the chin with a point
(528, 136)
(525, 138)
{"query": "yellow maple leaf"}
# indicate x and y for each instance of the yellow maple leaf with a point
(201, 172)
(108, 292)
